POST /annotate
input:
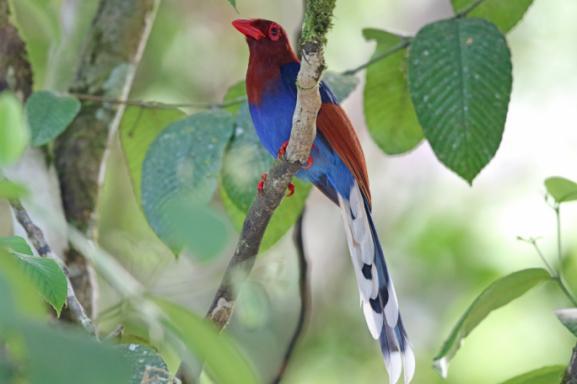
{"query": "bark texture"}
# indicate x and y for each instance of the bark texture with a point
(113, 49)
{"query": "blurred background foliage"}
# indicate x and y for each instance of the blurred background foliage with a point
(445, 241)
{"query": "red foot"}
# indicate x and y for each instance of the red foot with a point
(260, 185)
(291, 190)
(309, 163)
(282, 150)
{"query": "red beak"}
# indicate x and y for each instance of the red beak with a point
(246, 28)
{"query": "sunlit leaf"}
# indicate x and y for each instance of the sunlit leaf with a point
(546, 375)
(221, 357)
(13, 129)
(16, 244)
(48, 278)
(244, 162)
(460, 81)
(138, 129)
(11, 190)
(56, 356)
(48, 115)
(568, 317)
(561, 189)
(389, 111)
(147, 365)
(183, 161)
(496, 295)
(505, 14)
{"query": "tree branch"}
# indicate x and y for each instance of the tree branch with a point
(38, 240)
(570, 376)
(318, 16)
(304, 292)
(115, 44)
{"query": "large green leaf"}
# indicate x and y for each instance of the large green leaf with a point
(48, 278)
(505, 14)
(56, 356)
(244, 162)
(496, 295)
(16, 244)
(147, 365)
(568, 317)
(13, 130)
(138, 129)
(49, 114)
(183, 163)
(561, 189)
(224, 362)
(389, 111)
(460, 81)
(546, 375)
(11, 190)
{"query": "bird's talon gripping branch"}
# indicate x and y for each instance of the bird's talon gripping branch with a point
(291, 190)
(260, 185)
(282, 150)
(309, 163)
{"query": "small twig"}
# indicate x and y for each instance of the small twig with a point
(558, 227)
(304, 293)
(570, 376)
(158, 104)
(405, 42)
(38, 240)
(469, 8)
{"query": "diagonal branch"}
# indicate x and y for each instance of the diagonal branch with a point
(38, 240)
(318, 16)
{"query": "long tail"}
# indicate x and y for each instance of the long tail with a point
(378, 297)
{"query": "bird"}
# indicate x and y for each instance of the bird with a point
(337, 168)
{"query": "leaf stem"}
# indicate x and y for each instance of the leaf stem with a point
(405, 42)
(469, 8)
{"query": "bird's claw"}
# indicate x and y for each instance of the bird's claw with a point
(309, 163)
(260, 185)
(282, 150)
(291, 190)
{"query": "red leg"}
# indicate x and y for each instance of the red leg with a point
(282, 150)
(309, 162)
(291, 190)
(260, 185)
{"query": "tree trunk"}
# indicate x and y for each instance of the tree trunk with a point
(108, 64)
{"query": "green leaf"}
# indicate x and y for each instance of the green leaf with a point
(48, 278)
(49, 114)
(568, 317)
(244, 162)
(11, 190)
(56, 356)
(13, 130)
(197, 228)
(138, 129)
(505, 14)
(546, 375)
(183, 162)
(147, 365)
(561, 189)
(460, 81)
(233, 3)
(222, 358)
(496, 295)
(341, 85)
(18, 295)
(16, 244)
(389, 112)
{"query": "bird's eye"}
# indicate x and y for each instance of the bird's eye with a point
(274, 32)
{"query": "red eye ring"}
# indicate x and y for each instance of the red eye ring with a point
(274, 32)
